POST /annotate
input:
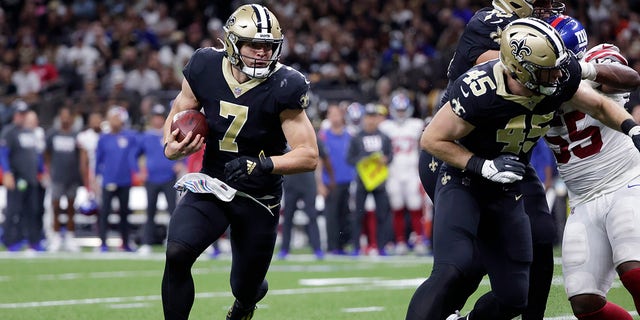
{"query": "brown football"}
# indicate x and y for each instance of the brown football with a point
(190, 120)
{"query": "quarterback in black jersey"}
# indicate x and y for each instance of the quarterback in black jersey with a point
(485, 134)
(255, 109)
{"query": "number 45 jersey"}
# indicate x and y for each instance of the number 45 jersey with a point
(593, 159)
(504, 123)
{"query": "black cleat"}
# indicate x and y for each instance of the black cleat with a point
(237, 312)
(240, 312)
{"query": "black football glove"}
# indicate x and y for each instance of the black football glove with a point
(243, 167)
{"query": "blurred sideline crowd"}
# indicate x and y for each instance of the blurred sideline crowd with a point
(74, 72)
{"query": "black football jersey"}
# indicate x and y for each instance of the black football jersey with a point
(244, 118)
(504, 123)
(482, 33)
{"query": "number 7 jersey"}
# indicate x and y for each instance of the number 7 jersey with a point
(593, 159)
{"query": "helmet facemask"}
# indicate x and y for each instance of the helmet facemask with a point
(548, 9)
(546, 80)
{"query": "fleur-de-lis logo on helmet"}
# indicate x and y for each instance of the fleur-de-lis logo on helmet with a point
(519, 49)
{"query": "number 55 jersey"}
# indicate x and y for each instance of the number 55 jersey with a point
(593, 159)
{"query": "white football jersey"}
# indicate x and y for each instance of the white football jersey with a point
(405, 138)
(593, 159)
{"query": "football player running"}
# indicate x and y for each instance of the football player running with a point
(255, 109)
(602, 233)
(485, 133)
(403, 185)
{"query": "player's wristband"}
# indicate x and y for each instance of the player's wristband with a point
(164, 150)
(475, 164)
(630, 127)
(266, 164)
(589, 71)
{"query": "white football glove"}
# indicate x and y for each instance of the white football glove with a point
(503, 169)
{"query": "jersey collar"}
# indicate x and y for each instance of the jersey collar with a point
(527, 102)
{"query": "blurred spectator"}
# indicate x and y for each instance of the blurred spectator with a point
(62, 158)
(403, 185)
(46, 71)
(367, 143)
(142, 79)
(298, 188)
(175, 53)
(88, 142)
(82, 57)
(156, 16)
(32, 122)
(302, 187)
(159, 175)
(116, 164)
(20, 161)
(336, 140)
(27, 82)
(8, 92)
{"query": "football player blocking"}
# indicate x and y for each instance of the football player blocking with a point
(597, 239)
(254, 120)
(513, 99)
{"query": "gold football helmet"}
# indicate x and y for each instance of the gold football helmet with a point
(535, 55)
(521, 8)
(253, 23)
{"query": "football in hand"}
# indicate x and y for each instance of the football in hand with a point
(190, 120)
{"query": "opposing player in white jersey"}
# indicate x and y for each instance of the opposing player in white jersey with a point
(602, 172)
(403, 185)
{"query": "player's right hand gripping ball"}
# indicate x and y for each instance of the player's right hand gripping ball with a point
(243, 167)
(190, 120)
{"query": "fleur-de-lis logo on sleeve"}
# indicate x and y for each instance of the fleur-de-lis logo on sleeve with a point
(519, 49)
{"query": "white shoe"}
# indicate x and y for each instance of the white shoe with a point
(420, 249)
(55, 242)
(457, 316)
(401, 248)
(144, 250)
(70, 243)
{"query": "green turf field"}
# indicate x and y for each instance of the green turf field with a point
(124, 286)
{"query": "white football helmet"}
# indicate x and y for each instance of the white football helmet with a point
(521, 8)
(532, 50)
(252, 23)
